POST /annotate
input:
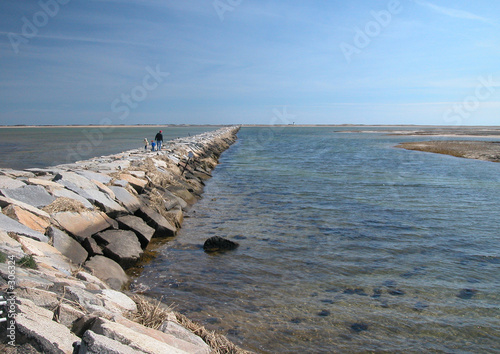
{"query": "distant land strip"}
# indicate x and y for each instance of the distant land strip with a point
(470, 149)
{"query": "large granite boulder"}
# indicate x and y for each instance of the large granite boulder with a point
(129, 201)
(68, 246)
(183, 193)
(120, 245)
(97, 343)
(36, 323)
(132, 337)
(137, 183)
(108, 270)
(163, 227)
(143, 232)
(81, 225)
(102, 200)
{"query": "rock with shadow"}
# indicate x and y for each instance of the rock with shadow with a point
(219, 244)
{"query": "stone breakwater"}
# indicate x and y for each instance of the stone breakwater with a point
(69, 232)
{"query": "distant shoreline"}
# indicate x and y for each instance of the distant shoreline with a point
(114, 126)
(451, 129)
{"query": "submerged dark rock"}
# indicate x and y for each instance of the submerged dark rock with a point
(467, 294)
(324, 313)
(396, 292)
(359, 327)
(217, 243)
(357, 291)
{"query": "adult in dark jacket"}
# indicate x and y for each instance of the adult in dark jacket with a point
(159, 140)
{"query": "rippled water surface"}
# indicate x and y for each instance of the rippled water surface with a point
(347, 244)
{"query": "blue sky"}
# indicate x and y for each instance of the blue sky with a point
(249, 62)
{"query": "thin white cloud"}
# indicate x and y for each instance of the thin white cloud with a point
(447, 11)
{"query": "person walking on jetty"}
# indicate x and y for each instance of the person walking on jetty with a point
(159, 140)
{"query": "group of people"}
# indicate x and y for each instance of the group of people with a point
(155, 144)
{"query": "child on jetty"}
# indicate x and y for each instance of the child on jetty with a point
(146, 143)
(153, 145)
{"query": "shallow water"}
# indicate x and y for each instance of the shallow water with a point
(346, 245)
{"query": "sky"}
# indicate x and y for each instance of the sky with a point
(432, 62)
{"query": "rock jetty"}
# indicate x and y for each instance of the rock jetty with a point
(69, 232)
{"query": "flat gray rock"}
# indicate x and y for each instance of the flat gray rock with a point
(68, 246)
(10, 183)
(101, 200)
(36, 196)
(99, 344)
(9, 225)
(129, 201)
(15, 173)
(66, 193)
(134, 223)
(74, 188)
(76, 179)
(122, 246)
(101, 177)
(118, 165)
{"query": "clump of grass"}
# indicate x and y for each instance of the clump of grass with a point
(27, 262)
(3, 257)
(151, 314)
(219, 343)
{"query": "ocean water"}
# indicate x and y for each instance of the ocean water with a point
(40, 147)
(347, 244)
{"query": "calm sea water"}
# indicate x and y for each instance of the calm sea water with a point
(346, 245)
(48, 146)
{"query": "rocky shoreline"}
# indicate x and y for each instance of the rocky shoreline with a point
(69, 232)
